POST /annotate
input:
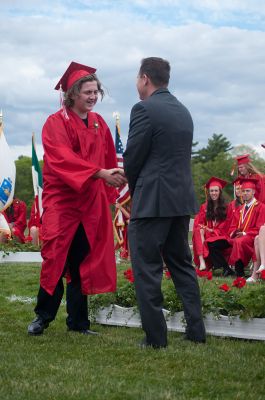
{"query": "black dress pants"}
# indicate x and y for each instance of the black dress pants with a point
(151, 241)
(77, 308)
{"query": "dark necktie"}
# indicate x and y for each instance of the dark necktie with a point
(246, 210)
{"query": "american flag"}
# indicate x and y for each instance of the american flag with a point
(122, 211)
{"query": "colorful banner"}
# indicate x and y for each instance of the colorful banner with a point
(7, 171)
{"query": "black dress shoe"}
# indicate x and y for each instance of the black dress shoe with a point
(37, 326)
(144, 345)
(239, 268)
(84, 331)
(198, 341)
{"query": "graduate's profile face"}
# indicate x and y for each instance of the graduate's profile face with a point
(214, 192)
(238, 191)
(86, 99)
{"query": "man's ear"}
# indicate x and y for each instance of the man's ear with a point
(145, 79)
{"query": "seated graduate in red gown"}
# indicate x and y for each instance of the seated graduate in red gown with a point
(34, 224)
(245, 226)
(238, 201)
(246, 169)
(210, 224)
(16, 216)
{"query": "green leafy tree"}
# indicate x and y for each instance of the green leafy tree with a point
(216, 145)
(194, 152)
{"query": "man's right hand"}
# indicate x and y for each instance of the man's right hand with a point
(113, 177)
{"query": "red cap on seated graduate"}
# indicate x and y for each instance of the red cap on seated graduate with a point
(213, 181)
(244, 159)
(237, 181)
(73, 73)
(248, 183)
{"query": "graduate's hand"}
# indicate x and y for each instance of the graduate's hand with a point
(113, 177)
(118, 171)
(239, 234)
(202, 226)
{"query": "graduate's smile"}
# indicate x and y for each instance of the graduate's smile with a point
(86, 99)
(214, 192)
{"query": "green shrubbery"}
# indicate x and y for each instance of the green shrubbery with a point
(13, 246)
(243, 300)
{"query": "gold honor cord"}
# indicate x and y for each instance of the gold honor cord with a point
(241, 219)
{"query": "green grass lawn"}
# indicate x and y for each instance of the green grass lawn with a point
(62, 365)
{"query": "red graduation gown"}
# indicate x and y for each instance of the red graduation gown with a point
(17, 214)
(243, 247)
(220, 230)
(73, 153)
(232, 207)
(260, 187)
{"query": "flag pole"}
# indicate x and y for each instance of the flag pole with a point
(33, 140)
(116, 115)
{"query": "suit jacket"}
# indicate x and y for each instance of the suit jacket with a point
(157, 158)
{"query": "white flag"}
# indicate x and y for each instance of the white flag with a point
(7, 171)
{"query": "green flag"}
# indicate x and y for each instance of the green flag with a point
(37, 179)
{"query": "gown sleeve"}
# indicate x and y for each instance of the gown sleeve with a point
(61, 158)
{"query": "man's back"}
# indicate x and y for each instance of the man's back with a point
(157, 163)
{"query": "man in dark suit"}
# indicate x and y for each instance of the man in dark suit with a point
(157, 166)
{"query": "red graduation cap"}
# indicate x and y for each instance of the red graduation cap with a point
(213, 181)
(73, 73)
(237, 181)
(244, 159)
(248, 183)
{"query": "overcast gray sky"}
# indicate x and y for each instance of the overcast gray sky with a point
(216, 50)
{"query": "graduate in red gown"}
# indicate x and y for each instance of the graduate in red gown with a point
(238, 201)
(80, 176)
(34, 224)
(210, 224)
(245, 226)
(246, 169)
(16, 216)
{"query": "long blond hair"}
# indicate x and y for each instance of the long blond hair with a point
(252, 170)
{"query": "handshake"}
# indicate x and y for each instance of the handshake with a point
(113, 177)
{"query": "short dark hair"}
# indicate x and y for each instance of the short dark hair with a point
(157, 69)
(75, 89)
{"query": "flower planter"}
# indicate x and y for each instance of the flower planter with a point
(223, 326)
(26, 256)
(119, 316)
(21, 256)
